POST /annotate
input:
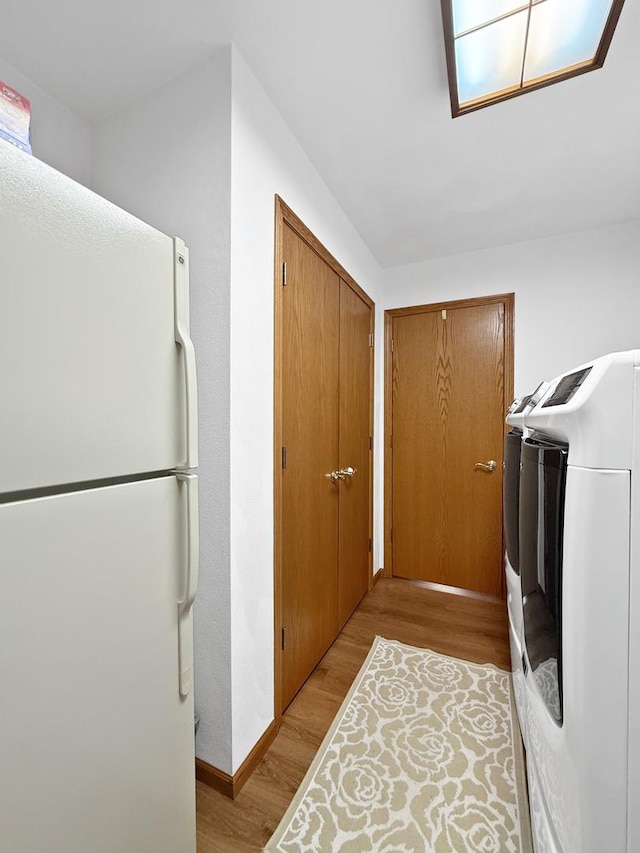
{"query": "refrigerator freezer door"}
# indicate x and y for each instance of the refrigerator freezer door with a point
(93, 374)
(96, 742)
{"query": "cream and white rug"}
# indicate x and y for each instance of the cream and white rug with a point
(424, 755)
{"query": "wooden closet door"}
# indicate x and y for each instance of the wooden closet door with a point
(355, 452)
(309, 523)
(448, 415)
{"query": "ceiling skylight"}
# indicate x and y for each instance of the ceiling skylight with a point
(497, 49)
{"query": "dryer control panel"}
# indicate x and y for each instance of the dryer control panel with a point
(566, 388)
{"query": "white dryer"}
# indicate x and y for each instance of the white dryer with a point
(579, 559)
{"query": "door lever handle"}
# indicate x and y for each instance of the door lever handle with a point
(491, 465)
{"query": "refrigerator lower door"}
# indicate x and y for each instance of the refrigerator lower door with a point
(96, 740)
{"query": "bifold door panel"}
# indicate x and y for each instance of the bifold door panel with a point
(354, 450)
(311, 323)
(325, 457)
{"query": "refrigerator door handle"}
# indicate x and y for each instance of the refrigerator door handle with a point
(183, 339)
(185, 605)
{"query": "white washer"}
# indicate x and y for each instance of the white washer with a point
(579, 559)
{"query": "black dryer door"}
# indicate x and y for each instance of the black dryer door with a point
(541, 527)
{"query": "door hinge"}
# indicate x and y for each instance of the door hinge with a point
(371, 339)
(370, 544)
(284, 274)
(284, 457)
(370, 442)
(391, 344)
(283, 638)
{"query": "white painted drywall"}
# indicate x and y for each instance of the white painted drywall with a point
(167, 159)
(203, 157)
(266, 159)
(577, 296)
(59, 137)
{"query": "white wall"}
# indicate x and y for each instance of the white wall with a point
(211, 178)
(266, 159)
(167, 159)
(59, 137)
(577, 296)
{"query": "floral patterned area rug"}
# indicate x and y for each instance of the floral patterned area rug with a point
(424, 755)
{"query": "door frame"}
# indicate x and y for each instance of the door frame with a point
(284, 215)
(508, 301)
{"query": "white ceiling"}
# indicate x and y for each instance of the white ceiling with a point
(363, 86)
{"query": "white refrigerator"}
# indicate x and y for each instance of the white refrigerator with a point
(98, 524)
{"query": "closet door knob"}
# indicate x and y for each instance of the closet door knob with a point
(342, 474)
(347, 472)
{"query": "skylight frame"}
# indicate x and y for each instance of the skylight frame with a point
(458, 109)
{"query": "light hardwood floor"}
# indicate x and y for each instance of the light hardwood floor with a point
(474, 629)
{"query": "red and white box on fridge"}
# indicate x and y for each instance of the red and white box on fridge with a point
(15, 117)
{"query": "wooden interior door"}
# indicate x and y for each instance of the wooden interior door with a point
(309, 516)
(354, 451)
(448, 407)
(324, 420)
